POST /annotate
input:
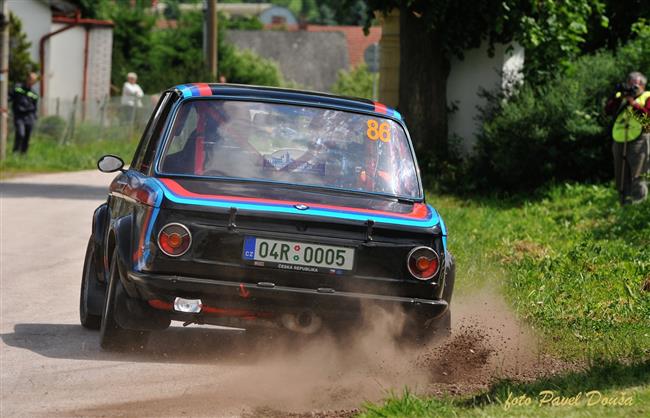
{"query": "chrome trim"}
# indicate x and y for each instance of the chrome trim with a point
(163, 228)
(408, 257)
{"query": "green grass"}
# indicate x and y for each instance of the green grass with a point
(572, 263)
(48, 156)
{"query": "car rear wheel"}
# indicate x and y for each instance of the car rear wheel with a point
(88, 285)
(112, 336)
(418, 331)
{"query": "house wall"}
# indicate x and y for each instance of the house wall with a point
(64, 72)
(468, 77)
(36, 19)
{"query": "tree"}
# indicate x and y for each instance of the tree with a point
(20, 62)
(433, 31)
(175, 56)
(132, 42)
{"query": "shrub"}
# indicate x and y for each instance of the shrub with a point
(246, 67)
(51, 127)
(354, 83)
(556, 131)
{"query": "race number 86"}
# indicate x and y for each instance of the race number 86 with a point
(378, 131)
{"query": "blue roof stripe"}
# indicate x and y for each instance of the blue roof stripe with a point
(184, 88)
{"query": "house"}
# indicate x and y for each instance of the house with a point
(74, 53)
(267, 13)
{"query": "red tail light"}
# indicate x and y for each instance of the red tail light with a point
(423, 263)
(174, 239)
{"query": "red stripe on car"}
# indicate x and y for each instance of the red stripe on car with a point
(380, 108)
(420, 210)
(204, 89)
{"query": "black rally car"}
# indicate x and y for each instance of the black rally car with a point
(251, 205)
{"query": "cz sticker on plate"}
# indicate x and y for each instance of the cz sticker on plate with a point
(298, 256)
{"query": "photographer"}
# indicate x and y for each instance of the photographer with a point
(631, 134)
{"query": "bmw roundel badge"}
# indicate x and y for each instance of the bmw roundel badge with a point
(300, 206)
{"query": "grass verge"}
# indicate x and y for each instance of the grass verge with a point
(574, 265)
(48, 156)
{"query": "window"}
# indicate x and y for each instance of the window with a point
(146, 148)
(291, 144)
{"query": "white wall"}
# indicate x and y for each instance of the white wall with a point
(65, 56)
(36, 19)
(466, 79)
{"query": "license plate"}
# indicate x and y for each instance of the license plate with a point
(298, 256)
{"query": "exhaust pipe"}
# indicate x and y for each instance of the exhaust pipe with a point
(305, 322)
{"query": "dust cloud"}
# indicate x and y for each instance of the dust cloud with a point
(274, 374)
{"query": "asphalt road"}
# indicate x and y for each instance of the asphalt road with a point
(51, 366)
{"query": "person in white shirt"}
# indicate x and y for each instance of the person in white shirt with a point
(131, 97)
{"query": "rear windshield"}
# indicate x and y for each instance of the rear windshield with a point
(291, 144)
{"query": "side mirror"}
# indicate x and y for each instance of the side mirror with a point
(110, 164)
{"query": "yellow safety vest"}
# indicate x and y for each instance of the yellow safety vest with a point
(628, 126)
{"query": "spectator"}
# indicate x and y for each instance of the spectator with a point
(131, 97)
(631, 134)
(24, 104)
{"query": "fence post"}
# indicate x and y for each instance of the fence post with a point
(73, 120)
(132, 121)
(102, 112)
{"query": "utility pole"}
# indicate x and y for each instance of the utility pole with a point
(4, 77)
(212, 38)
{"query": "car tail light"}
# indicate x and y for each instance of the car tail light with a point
(174, 239)
(423, 263)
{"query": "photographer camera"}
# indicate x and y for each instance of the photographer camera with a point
(630, 106)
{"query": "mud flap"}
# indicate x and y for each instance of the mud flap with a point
(135, 314)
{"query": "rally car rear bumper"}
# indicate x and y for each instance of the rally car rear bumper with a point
(263, 300)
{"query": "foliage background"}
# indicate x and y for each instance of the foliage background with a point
(165, 57)
(555, 130)
(20, 61)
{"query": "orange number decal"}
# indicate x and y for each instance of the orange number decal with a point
(376, 131)
(373, 130)
(384, 132)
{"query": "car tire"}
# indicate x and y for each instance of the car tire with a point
(111, 335)
(418, 331)
(87, 319)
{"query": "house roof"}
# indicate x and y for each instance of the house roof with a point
(82, 21)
